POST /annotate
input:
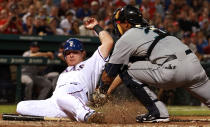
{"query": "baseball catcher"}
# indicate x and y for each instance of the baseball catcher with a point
(145, 55)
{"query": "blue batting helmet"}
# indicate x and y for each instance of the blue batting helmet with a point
(73, 44)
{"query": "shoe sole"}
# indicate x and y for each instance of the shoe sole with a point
(158, 121)
(96, 118)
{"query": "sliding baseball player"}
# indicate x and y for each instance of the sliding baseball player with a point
(76, 83)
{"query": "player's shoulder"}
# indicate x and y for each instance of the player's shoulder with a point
(131, 34)
(96, 57)
(132, 31)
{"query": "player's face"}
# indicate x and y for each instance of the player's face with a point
(124, 27)
(34, 49)
(73, 57)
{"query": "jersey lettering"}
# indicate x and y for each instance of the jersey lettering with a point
(75, 69)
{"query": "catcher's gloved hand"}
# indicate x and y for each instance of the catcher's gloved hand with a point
(99, 99)
(103, 88)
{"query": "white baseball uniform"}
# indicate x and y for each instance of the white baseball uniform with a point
(74, 86)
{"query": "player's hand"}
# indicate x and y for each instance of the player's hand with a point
(90, 23)
(99, 99)
(103, 88)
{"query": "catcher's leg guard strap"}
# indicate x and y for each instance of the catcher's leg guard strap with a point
(141, 92)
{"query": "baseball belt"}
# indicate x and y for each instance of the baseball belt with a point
(173, 57)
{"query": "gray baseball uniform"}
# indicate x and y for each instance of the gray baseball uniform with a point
(30, 78)
(170, 65)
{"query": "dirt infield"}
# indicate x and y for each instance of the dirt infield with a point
(192, 121)
(118, 114)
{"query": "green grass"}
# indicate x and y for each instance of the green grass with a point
(7, 109)
(188, 111)
(173, 110)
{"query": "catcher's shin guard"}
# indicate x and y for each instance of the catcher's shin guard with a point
(145, 96)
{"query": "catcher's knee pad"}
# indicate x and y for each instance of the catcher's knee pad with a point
(142, 93)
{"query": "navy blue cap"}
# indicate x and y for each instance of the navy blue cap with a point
(34, 44)
(73, 44)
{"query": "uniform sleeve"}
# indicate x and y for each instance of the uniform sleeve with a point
(122, 52)
(94, 66)
(97, 58)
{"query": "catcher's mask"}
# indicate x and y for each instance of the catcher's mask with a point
(130, 14)
(72, 44)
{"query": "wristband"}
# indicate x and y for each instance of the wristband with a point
(98, 29)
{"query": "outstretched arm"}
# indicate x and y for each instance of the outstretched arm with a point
(43, 54)
(109, 74)
(105, 38)
(117, 81)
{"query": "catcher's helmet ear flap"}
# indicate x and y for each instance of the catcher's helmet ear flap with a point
(115, 20)
(72, 44)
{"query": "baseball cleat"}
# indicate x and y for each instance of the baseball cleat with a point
(94, 117)
(149, 118)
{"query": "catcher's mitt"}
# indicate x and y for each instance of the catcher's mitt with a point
(99, 99)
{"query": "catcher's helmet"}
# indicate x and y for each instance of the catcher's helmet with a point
(73, 44)
(130, 14)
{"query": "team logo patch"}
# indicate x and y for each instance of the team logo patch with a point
(71, 43)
